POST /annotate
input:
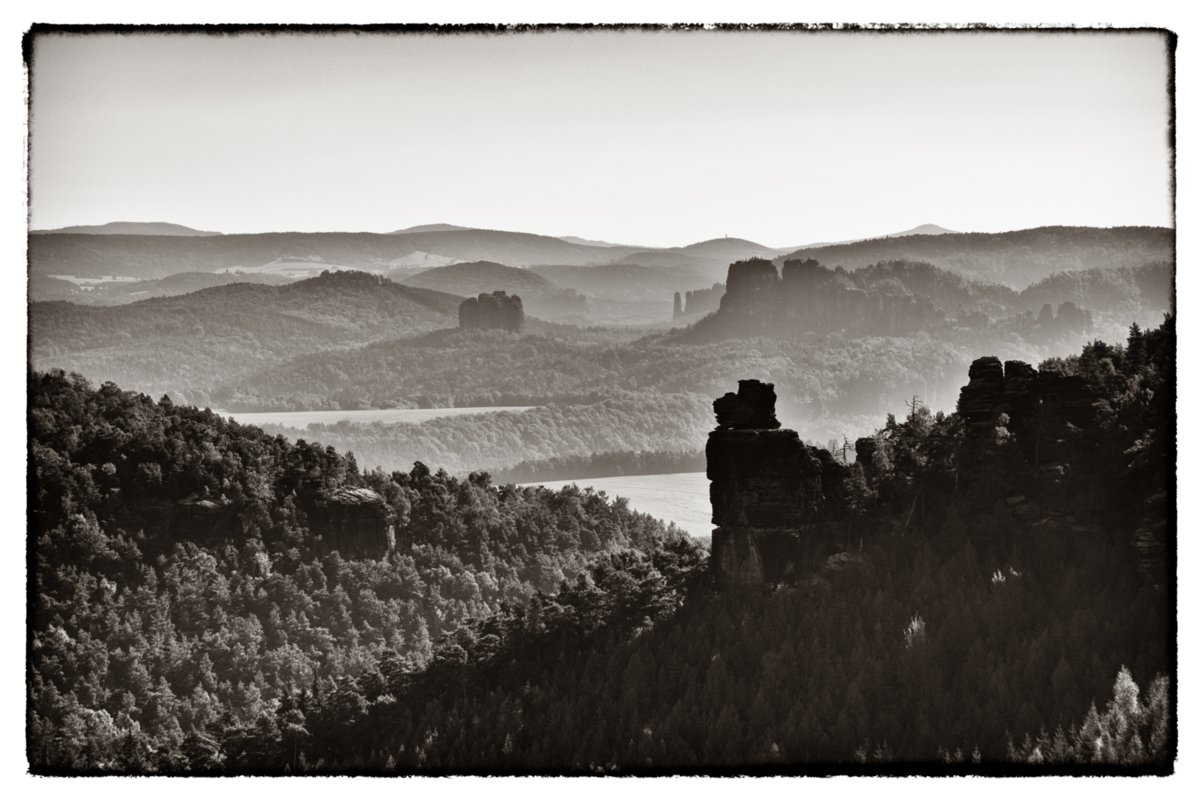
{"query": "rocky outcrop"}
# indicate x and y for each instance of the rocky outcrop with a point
(1021, 392)
(769, 493)
(496, 310)
(750, 292)
(806, 297)
(701, 301)
(356, 522)
(203, 519)
(979, 401)
(752, 407)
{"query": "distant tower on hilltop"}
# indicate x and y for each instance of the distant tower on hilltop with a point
(678, 305)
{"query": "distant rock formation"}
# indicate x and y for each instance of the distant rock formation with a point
(807, 297)
(496, 310)
(701, 301)
(768, 493)
(356, 522)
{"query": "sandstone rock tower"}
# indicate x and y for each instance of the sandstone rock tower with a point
(495, 310)
(766, 487)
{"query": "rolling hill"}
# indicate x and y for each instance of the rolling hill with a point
(481, 276)
(185, 345)
(129, 228)
(1015, 259)
(625, 281)
(49, 289)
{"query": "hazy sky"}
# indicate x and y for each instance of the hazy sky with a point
(659, 138)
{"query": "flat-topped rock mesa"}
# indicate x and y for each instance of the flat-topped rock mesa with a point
(807, 297)
(356, 522)
(496, 310)
(773, 497)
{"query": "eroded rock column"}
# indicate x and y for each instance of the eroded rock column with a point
(763, 481)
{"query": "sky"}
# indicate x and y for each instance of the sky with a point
(647, 137)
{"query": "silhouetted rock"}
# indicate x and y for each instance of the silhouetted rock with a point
(496, 310)
(776, 502)
(752, 407)
(807, 297)
(980, 398)
(702, 300)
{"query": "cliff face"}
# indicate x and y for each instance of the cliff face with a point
(808, 297)
(496, 310)
(701, 301)
(357, 523)
(769, 493)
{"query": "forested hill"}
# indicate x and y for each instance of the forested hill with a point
(469, 279)
(193, 576)
(1015, 259)
(49, 289)
(999, 595)
(187, 344)
(991, 609)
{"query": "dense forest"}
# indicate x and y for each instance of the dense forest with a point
(603, 464)
(158, 645)
(1004, 600)
(998, 607)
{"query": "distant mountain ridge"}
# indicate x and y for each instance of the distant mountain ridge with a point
(129, 228)
(147, 256)
(429, 228)
(1016, 259)
(922, 229)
